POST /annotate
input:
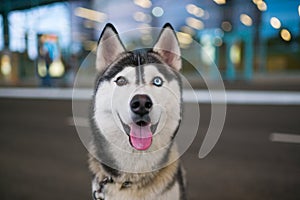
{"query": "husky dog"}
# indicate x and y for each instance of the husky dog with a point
(135, 115)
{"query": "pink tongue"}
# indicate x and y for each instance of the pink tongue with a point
(140, 137)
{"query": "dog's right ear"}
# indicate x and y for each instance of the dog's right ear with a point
(168, 48)
(109, 48)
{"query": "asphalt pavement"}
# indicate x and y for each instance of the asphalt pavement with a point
(42, 157)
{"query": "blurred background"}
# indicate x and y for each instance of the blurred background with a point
(42, 42)
(255, 44)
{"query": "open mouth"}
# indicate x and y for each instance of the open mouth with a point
(140, 133)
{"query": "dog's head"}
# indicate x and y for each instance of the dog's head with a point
(137, 103)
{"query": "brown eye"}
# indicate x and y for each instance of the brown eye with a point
(121, 81)
(157, 81)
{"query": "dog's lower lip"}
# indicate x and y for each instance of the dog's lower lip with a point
(142, 123)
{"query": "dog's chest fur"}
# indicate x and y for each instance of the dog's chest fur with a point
(165, 183)
(162, 184)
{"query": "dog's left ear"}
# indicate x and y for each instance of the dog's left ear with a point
(168, 48)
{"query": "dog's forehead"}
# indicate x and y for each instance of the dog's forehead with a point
(130, 59)
(145, 73)
(138, 66)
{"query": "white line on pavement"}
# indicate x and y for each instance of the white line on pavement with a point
(190, 96)
(285, 137)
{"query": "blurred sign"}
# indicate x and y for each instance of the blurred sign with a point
(49, 63)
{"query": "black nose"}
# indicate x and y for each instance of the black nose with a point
(141, 104)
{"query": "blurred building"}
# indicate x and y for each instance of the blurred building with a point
(242, 37)
(40, 42)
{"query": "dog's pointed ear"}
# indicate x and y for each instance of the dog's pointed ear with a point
(168, 48)
(109, 48)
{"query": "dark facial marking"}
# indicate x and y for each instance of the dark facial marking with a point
(138, 59)
(139, 71)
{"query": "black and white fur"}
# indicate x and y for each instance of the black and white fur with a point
(152, 172)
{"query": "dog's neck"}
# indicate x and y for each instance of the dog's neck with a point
(167, 159)
(136, 180)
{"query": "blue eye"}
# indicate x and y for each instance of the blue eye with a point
(121, 81)
(157, 81)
